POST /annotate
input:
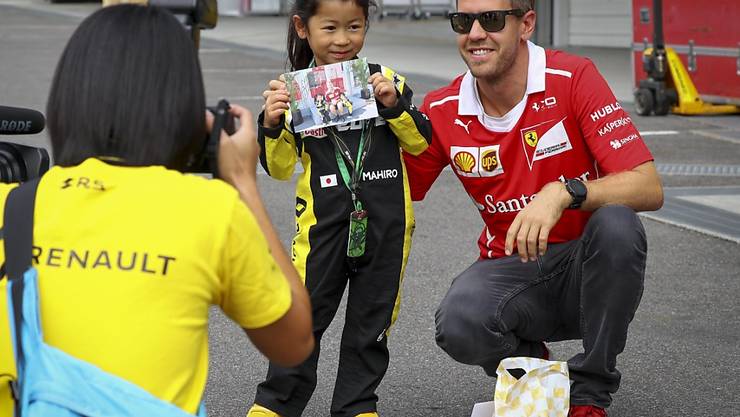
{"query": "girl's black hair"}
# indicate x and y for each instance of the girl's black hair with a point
(128, 86)
(299, 52)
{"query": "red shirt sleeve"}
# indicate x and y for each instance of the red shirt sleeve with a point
(422, 170)
(607, 128)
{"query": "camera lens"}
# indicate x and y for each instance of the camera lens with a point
(12, 168)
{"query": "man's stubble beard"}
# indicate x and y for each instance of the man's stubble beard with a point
(501, 68)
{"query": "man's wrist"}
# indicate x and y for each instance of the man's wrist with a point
(577, 191)
(565, 198)
(560, 194)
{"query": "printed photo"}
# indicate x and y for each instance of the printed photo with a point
(331, 95)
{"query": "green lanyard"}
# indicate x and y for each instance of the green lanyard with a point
(342, 153)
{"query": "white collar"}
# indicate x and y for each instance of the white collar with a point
(469, 103)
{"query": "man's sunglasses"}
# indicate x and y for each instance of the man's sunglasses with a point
(490, 21)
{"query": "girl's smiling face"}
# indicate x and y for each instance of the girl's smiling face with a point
(335, 33)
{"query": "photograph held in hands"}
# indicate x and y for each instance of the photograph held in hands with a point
(330, 95)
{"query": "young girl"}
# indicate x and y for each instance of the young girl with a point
(323, 107)
(354, 185)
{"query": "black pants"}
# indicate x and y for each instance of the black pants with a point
(374, 283)
(585, 289)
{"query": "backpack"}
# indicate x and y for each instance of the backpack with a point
(51, 382)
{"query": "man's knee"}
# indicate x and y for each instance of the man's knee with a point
(617, 245)
(467, 330)
(618, 232)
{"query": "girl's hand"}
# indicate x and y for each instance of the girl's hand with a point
(385, 90)
(277, 102)
(238, 153)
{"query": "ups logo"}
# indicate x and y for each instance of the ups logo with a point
(477, 161)
(489, 160)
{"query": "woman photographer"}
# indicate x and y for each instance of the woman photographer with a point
(131, 252)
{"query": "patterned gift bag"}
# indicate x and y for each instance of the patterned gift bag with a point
(543, 391)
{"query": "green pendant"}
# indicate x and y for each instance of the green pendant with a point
(357, 233)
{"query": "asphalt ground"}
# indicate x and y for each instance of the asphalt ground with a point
(682, 356)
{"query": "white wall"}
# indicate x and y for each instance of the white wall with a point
(600, 23)
(271, 7)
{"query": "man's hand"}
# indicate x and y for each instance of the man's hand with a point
(385, 90)
(531, 227)
(277, 102)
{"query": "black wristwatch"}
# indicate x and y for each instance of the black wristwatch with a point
(577, 189)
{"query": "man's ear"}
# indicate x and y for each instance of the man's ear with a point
(527, 24)
(300, 27)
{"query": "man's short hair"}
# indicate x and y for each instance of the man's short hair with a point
(525, 5)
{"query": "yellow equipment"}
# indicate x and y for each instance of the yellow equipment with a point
(686, 100)
(668, 86)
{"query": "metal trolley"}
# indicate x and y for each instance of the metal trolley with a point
(414, 9)
(693, 63)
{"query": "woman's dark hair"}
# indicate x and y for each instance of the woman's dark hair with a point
(299, 52)
(128, 86)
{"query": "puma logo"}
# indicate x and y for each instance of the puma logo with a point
(459, 122)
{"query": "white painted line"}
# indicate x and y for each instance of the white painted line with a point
(691, 227)
(244, 98)
(727, 203)
(50, 26)
(243, 71)
(53, 10)
(215, 50)
(713, 135)
(659, 133)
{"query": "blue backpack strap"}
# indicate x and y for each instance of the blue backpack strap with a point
(18, 240)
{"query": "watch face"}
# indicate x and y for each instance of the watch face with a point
(577, 190)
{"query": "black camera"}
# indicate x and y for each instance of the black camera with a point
(20, 163)
(207, 159)
(196, 15)
(193, 14)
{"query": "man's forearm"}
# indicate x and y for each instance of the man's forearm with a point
(639, 189)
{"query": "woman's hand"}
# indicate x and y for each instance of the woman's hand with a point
(277, 102)
(385, 90)
(238, 153)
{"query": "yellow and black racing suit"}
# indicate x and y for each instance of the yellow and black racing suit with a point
(322, 212)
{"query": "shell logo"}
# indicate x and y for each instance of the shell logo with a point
(464, 161)
(489, 160)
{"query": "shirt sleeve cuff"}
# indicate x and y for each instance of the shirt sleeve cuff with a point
(394, 112)
(270, 132)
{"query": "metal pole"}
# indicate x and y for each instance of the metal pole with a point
(658, 41)
(659, 52)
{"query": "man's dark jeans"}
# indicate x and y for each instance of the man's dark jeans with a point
(585, 289)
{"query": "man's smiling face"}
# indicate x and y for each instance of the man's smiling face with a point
(489, 54)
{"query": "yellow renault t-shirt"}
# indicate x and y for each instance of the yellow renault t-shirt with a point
(129, 261)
